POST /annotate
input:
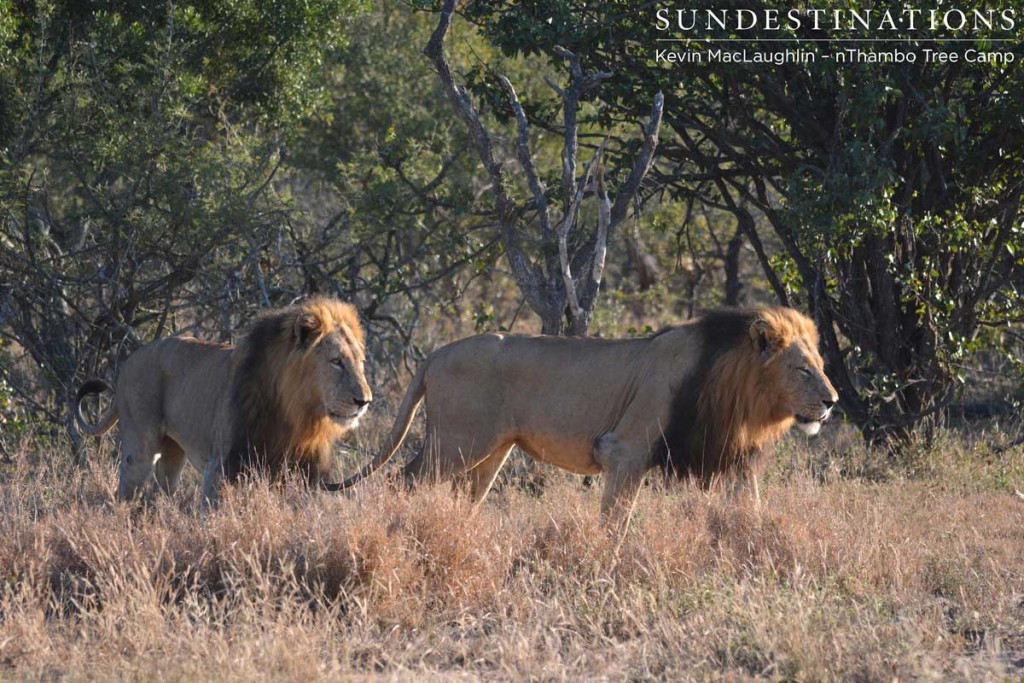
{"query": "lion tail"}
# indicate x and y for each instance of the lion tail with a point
(107, 420)
(406, 412)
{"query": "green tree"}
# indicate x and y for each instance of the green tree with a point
(561, 278)
(894, 189)
(387, 188)
(139, 143)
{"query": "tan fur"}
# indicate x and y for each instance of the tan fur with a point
(748, 403)
(290, 389)
(701, 399)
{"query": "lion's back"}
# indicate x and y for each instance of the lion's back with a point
(575, 388)
(177, 382)
(176, 360)
(522, 361)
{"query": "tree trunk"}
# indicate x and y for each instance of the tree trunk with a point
(733, 286)
(552, 323)
(646, 264)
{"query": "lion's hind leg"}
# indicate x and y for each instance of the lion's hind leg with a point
(213, 478)
(167, 470)
(460, 461)
(482, 477)
(138, 449)
(139, 398)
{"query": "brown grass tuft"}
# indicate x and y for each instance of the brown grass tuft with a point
(910, 575)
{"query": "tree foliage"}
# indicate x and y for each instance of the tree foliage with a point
(547, 281)
(894, 189)
(138, 145)
(383, 176)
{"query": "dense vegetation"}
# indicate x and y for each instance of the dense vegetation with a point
(884, 572)
(178, 167)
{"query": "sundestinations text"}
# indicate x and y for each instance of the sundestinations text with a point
(773, 19)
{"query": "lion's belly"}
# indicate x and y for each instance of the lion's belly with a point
(195, 405)
(572, 455)
(198, 448)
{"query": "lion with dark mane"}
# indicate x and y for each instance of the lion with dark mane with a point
(279, 399)
(702, 399)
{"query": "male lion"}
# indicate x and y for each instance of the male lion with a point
(701, 399)
(282, 397)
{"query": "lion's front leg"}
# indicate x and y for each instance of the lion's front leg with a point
(213, 479)
(744, 482)
(623, 465)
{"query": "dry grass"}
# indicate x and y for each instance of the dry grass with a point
(859, 571)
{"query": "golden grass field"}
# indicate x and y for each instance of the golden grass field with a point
(851, 568)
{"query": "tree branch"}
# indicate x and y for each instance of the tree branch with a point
(578, 84)
(604, 217)
(575, 310)
(524, 272)
(617, 212)
(523, 149)
(641, 166)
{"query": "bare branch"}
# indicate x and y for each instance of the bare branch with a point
(563, 233)
(554, 86)
(583, 82)
(523, 148)
(525, 273)
(748, 226)
(591, 81)
(641, 166)
(571, 193)
(618, 210)
(604, 216)
(570, 107)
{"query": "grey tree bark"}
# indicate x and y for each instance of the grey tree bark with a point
(561, 287)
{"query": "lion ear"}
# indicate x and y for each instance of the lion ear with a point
(766, 340)
(305, 328)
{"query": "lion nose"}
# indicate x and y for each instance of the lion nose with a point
(829, 402)
(360, 402)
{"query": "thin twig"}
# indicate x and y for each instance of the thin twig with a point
(604, 217)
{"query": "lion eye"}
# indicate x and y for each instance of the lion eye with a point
(804, 371)
(338, 363)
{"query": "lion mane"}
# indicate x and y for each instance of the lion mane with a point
(702, 399)
(276, 419)
(278, 400)
(729, 414)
